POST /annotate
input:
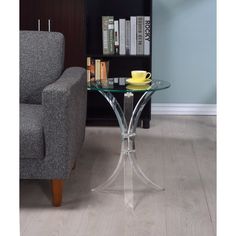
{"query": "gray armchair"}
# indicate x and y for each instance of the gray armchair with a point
(52, 110)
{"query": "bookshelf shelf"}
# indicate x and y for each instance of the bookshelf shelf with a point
(99, 112)
(117, 56)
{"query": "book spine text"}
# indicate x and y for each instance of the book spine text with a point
(140, 35)
(105, 34)
(147, 35)
(111, 35)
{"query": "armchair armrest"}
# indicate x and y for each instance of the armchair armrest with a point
(65, 106)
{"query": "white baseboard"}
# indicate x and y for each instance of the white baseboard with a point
(183, 109)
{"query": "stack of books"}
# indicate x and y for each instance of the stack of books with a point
(97, 69)
(126, 37)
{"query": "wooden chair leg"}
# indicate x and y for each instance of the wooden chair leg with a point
(57, 186)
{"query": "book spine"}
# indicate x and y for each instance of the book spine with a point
(88, 69)
(92, 70)
(111, 35)
(116, 36)
(122, 81)
(140, 35)
(133, 26)
(105, 34)
(122, 36)
(103, 71)
(107, 67)
(147, 35)
(97, 70)
(127, 37)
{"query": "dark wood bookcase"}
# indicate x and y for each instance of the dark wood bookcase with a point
(81, 23)
(99, 111)
(66, 16)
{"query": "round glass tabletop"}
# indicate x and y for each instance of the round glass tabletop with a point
(111, 86)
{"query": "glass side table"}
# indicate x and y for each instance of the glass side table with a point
(128, 120)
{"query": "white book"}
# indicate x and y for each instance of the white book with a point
(122, 36)
(140, 35)
(116, 36)
(116, 80)
(133, 26)
(147, 35)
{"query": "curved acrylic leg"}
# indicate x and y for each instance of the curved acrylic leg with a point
(128, 182)
(132, 129)
(138, 171)
(138, 110)
(115, 173)
(123, 127)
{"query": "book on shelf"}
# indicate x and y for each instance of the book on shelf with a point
(88, 69)
(111, 34)
(147, 35)
(122, 24)
(116, 36)
(105, 34)
(107, 68)
(133, 33)
(126, 36)
(104, 70)
(108, 35)
(122, 81)
(140, 35)
(97, 69)
(92, 71)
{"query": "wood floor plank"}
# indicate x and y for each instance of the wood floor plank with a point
(204, 149)
(186, 206)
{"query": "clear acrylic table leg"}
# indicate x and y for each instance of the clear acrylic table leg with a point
(132, 129)
(128, 164)
(128, 161)
(112, 178)
(128, 182)
(138, 171)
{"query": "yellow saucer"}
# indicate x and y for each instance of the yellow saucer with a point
(139, 87)
(138, 83)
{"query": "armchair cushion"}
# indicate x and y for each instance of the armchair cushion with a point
(41, 63)
(31, 132)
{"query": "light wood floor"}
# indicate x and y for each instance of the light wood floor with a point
(177, 152)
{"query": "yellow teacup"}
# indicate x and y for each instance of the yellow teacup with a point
(140, 75)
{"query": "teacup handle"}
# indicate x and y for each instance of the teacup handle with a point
(149, 75)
